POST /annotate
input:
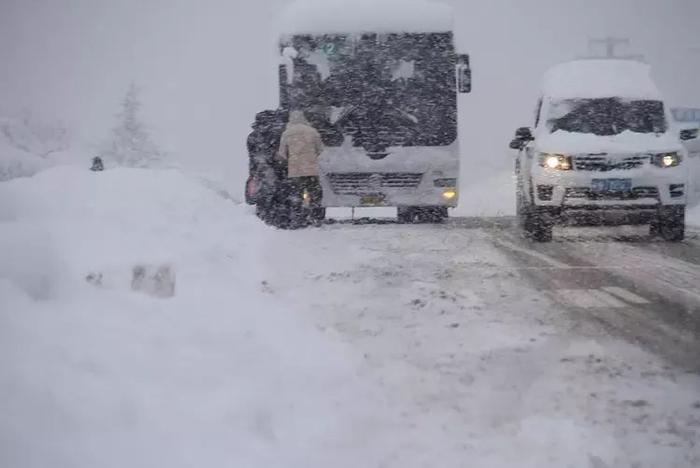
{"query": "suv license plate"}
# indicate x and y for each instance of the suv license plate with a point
(611, 185)
(372, 200)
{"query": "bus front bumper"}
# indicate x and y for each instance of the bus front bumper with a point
(422, 196)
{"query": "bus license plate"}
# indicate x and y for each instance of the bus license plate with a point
(372, 200)
(611, 185)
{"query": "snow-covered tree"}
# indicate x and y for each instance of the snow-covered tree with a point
(38, 138)
(131, 143)
(27, 144)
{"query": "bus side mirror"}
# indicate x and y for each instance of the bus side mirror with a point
(284, 87)
(691, 134)
(464, 74)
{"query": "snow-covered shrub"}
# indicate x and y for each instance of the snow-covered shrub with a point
(30, 135)
(17, 163)
(131, 144)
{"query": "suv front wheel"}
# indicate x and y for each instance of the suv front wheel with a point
(670, 224)
(536, 223)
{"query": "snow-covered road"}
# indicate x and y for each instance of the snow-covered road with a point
(582, 352)
(381, 345)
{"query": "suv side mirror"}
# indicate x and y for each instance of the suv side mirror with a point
(690, 134)
(464, 74)
(522, 137)
(517, 144)
(524, 133)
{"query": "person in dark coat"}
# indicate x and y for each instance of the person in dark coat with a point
(267, 173)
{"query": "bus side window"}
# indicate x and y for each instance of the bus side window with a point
(538, 113)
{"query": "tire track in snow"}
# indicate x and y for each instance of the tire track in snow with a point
(658, 308)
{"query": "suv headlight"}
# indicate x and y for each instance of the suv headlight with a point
(559, 162)
(666, 159)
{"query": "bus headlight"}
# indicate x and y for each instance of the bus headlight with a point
(558, 162)
(449, 194)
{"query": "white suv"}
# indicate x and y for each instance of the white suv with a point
(602, 152)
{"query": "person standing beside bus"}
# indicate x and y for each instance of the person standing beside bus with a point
(300, 147)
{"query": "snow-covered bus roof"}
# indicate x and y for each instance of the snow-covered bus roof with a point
(364, 16)
(599, 78)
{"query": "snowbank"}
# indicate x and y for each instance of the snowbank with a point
(357, 16)
(600, 79)
(93, 374)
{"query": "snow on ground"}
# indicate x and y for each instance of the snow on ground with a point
(95, 375)
(492, 370)
(347, 346)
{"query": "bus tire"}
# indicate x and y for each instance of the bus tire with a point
(422, 215)
(318, 214)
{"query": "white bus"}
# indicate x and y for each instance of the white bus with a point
(380, 81)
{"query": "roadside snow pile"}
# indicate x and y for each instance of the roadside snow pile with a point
(93, 374)
(358, 16)
(581, 79)
(113, 220)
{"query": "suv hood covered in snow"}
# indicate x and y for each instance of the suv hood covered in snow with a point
(626, 142)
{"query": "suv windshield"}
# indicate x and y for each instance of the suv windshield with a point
(609, 116)
(380, 90)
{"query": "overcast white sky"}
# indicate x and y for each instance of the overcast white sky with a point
(205, 66)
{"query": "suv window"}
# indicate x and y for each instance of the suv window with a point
(608, 116)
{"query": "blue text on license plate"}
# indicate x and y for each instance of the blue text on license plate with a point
(611, 185)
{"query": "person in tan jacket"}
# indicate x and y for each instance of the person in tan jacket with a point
(300, 147)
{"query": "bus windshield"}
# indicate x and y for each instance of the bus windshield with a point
(379, 90)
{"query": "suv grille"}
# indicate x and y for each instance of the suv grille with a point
(358, 183)
(605, 163)
(637, 193)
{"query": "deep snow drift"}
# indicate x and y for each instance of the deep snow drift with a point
(95, 375)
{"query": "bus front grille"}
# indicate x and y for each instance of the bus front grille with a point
(358, 183)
